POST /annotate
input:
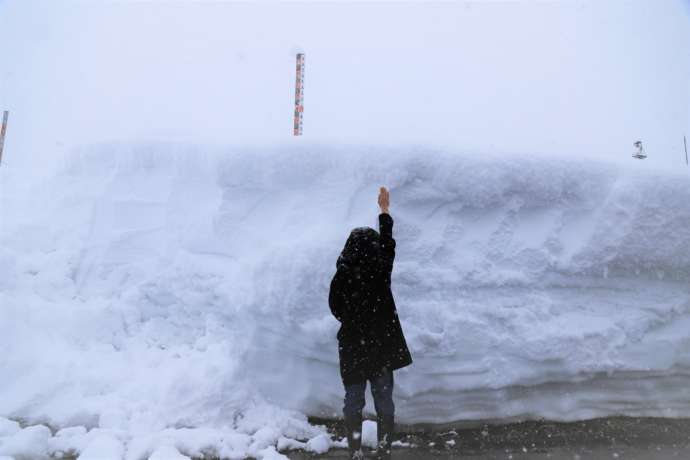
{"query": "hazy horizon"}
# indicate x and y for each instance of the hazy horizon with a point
(561, 78)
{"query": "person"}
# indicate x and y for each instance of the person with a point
(371, 343)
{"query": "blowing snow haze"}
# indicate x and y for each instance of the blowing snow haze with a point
(571, 78)
(167, 244)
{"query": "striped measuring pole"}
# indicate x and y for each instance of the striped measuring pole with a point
(299, 95)
(3, 130)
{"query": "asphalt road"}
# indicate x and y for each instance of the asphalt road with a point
(614, 438)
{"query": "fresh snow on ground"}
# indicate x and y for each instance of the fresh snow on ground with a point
(171, 299)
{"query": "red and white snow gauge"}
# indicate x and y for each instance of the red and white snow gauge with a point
(299, 95)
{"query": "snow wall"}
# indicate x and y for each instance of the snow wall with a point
(146, 286)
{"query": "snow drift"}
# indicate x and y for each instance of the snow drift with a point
(147, 287)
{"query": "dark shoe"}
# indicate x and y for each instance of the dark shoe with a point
(384, 432)
(354, 437)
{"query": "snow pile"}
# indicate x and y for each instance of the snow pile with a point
(174, 296)
(36, 442)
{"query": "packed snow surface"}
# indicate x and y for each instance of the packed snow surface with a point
(168, 300)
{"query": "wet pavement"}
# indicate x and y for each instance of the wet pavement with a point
(614, 438)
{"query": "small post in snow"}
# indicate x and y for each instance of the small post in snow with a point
(299, 95)
(3, 130)
(639, 152)
(685, 144)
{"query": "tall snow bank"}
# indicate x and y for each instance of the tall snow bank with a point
(147, 286)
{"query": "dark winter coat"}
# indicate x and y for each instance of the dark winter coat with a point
(370, 335)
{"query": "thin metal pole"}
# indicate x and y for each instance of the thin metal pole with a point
(5, 116)
(685, 143)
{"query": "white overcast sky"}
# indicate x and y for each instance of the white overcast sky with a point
(561, 78)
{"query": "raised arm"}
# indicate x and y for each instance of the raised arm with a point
(387, 243)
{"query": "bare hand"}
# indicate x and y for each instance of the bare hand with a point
(384, 200)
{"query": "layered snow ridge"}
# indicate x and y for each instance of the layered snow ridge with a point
(150, 287)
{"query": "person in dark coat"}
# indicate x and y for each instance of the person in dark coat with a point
(370, 338)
